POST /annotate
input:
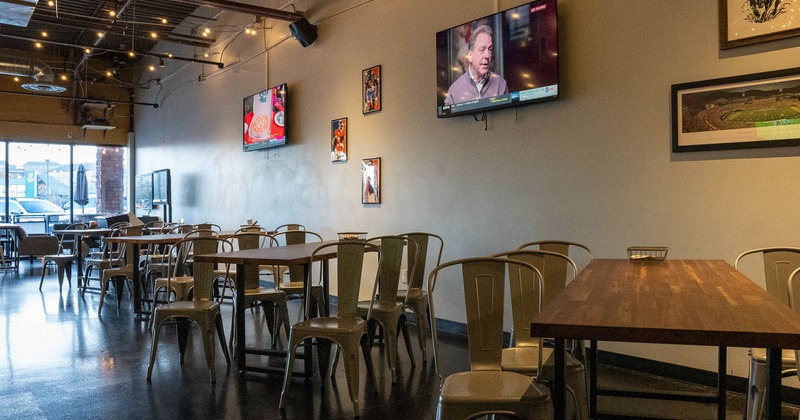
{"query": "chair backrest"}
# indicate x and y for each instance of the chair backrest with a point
(203, 273)
(156, 226)
(554, 265)
(349, 266)
(793, 288)
(483, 279)
(391, 261)
(294, 237)
(418, 262)
(289, 227)
(201, 232)
(67, 241)
(208, 226)
(779, 263)
(250, 240)
(527, 289)
(558, 269)
(181, 229)
(250, 228)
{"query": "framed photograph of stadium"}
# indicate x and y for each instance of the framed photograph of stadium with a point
(371, 181)
(371, 90)
(740, 112)
(339, 140)
(747, 22)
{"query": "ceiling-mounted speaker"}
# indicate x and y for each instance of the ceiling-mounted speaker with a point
(304, 31)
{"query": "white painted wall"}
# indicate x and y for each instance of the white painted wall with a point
(594, 166)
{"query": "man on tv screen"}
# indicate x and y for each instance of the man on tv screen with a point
(478, 81)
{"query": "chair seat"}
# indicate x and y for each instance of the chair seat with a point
(787, 358)
(380, 306)
(524, 360)
(331, 324)
(489, 387)
(188, 306)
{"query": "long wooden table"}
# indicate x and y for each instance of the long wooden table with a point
(299, 254)
(694, 302)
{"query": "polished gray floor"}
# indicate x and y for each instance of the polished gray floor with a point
(62, 360)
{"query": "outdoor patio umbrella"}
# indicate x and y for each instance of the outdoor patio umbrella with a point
(81, 187)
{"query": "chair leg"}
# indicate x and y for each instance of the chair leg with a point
(44, 267)
(754, 403)
(287, 375)
(365, 349)
(182, 326)
(351, 368)
(154, 346)
(103, 290)
(390, 340)
(221, 336)
(407, 338)
(209, 348)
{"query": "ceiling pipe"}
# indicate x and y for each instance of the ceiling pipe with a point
(145, 54)
(76, 98)
(98, 40)
(247, 9)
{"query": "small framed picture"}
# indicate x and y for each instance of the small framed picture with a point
(751, 22)
(371, 181)
(339, 140)
(371, 90)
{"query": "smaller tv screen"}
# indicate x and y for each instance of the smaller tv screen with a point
(506, 59)
(161, 187)
(264, 119)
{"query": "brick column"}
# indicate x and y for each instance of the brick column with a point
(110, 177)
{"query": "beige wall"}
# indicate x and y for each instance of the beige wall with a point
(594, 166)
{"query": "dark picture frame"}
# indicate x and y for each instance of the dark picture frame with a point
(339, 140)
(747, 22)
(371, 96)
(371, 180)
(740, 112)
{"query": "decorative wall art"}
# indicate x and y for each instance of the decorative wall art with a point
(371, 90)
(753, 110)
(371, 181)
(339, 140)
(746, 22)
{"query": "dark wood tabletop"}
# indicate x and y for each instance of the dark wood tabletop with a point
(280, 255)
(704, 302)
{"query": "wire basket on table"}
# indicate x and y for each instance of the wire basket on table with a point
(647, 253)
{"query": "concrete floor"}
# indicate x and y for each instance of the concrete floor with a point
(62, 360)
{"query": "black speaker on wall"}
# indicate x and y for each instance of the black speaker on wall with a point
(304, 31)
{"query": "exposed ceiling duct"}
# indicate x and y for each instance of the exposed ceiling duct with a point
(42, 75)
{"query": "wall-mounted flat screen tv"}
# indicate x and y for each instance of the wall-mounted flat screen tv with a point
(264, 119)
(162, 187)
(506, 59)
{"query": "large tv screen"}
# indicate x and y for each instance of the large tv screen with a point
(162, 186)
(506, 59)
(264, 119)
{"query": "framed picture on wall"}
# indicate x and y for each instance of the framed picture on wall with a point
(371, 90)
(740, 112)
(371, 181)
(747, 22)
(339, 140)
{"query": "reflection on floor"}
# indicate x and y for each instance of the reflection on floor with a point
(61, 360)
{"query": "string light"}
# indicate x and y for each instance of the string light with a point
(16, 79)
(38, 44)
(112, 13)
(51, 3)
(87, 50)
(44, 34)
(109, 73)
(64, 77)
(164, 21)
(169, 55)
(100, 34)
(131, 54)
(153, 35)
(151, 67)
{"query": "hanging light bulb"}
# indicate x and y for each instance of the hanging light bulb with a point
(100, 34)
(51, 3)
(44, 34)
(38, 44)
(16, 79)
(131, 54)
(205, 54)
(153, 35)
(112, 13)
(169, 55)
(109, 73)
(87, 50)
(64, 77)
(151, 67)
(164, 21)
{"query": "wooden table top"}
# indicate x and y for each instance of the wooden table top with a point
(702, 302)
(167, 238)
(281, 255)
(83, 232)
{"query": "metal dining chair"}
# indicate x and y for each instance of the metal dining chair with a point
(201, 310)
(779, 264)
(416, 296)
(346, 329)
(486, 388)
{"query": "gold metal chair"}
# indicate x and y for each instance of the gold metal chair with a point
(486, 388)
(416, 296)
(526, 354)
(779, 263)
(62, 260)
(202, 309)
(295, 287)
(385, 309)
(179, 281)
(255, 295)
(123, 268)
(347, 329)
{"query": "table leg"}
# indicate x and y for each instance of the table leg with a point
(593, 379)
(559, 384)
(324, 346)
(239, 351)
(773, 393)
(308, 348)
(722, 382)
(133, 259)
(77, 248)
